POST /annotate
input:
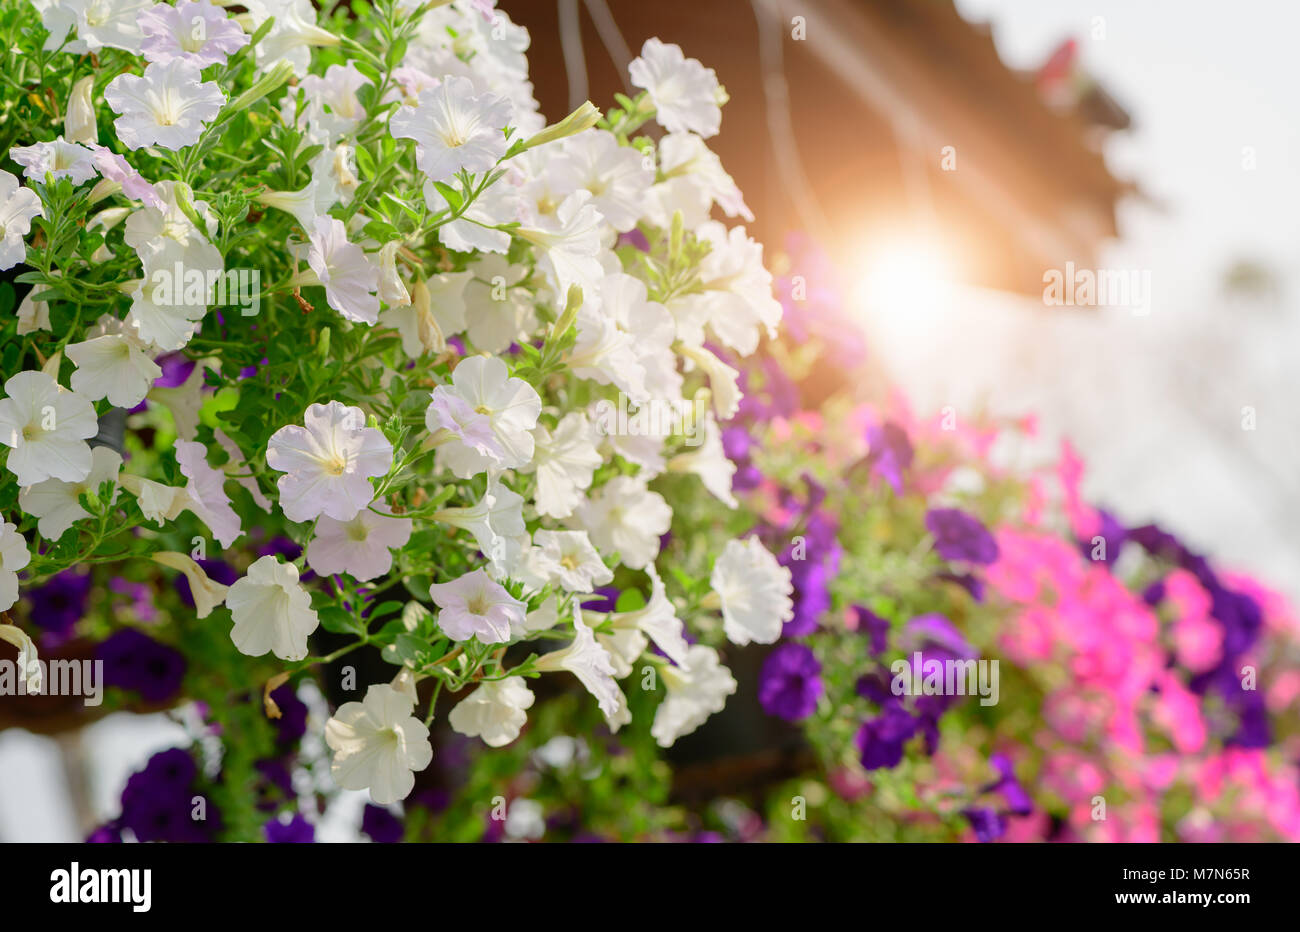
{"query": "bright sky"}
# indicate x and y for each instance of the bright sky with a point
(1155, 403)
(1202, 81)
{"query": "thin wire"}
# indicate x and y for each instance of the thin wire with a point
(780, 121)
(575, 64)
(612, 39)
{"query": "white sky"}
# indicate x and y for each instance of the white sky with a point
(1154, 402)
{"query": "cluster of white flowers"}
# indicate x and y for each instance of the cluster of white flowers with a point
(537, 213)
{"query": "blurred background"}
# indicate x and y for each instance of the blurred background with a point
(950, 157)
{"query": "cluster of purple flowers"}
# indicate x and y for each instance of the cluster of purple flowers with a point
(135, 661)
(959, 536)
(58, 605)
(881, 740)
(161, 803)
(989, 822)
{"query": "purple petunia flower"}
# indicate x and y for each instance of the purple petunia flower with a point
(789, 683)
(634, 238)
(1112, 532)
(297, 831)
(934, 630)
(1018, 800)
(890, 453)
(292, 723)
(988, 825)
(874, 627)
(133, 660)
(381, 825)
(176, 368)
(602, 600)
(58, 605)
(159, 802)
(108, 834)
(959, 536)
(880, 740)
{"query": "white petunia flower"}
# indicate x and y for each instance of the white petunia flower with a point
(329, 462)
(57, 504)
(543, 618)
(116, 168)
(651, 333)
(292, 36)
(378, 744)
(473, 605)
(351, 282)
(657, 619)
(237, 463)
(47, 427)
(697, 688)
(199, 33)
(435, 312)
(568, 559)
(333, 109)
(18, 205)
(475, 228)
(206, 593)
(79, 125)
(184, 402)
(511, 406)
(113, 365)
(737, 297)
(333, 181)
(392, 290)
(28, 663)
(361, 547)
(206, 492)
(605, 353)
(455, 129)
(168, 107)
(693, 181)
(105, 24)
(618, 177)
(14, 556)
(271, 610)
(497, 523)
(451, 416)
(564, 461)
(544, 177)
(158, 503)
(58, 158)
(33, 315)
(754, 591)
(593, 667)
(625, 648)
(626, 518)
(569, 245)
(174, 293)
(496, 711)
(709, 461)
(166, 220)
(499, 313)
(723, 380)
(59, 18)
(684, 92)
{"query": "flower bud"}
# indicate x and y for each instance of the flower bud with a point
(79, 120)
(584, 118)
